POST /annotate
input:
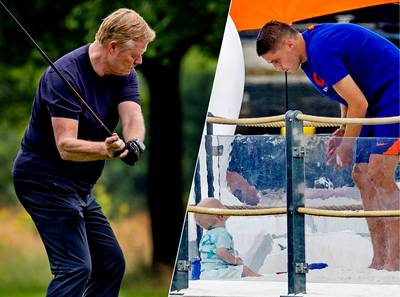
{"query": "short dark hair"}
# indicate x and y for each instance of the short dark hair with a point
(270, 36)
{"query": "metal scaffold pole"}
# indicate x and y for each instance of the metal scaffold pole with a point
(295, 151)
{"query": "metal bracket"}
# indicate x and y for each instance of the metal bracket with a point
(183, 265)
(217, 150)
(301, 268)
(298, 151)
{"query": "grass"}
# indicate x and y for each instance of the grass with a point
(21, 292)
(139, 285)
(24, 268)
(132, 292)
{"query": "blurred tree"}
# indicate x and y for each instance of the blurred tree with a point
(179, 24)
(21, 68)
(44, 20)
(197, 76)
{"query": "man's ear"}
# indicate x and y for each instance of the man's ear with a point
(111, 46)
(289, 42)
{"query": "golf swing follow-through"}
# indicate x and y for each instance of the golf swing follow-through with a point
(63, 151)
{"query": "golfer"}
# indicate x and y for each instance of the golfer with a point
(63, 151)
(359, 69)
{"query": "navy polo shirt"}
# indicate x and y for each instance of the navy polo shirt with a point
(336, 50)
(38, 156)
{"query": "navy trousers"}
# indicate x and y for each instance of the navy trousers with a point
(85, 257)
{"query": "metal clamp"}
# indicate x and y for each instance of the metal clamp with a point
(298, 151)
(301, 268)
(217, 150)
(183, 265)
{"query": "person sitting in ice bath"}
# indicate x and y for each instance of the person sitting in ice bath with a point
(217, 253)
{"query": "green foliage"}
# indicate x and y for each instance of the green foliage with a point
(178, 24)
(103, 197)
(8, 150)
(197, 75)
(44, 20)
(17, 86)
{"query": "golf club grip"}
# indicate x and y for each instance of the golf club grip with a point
(117, 153)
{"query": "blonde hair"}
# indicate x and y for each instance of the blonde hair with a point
(204, 220)
(124, 26)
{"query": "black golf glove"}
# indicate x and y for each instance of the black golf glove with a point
(135, 149)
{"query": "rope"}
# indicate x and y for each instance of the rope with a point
(341, 207)
(244, 206)
(327, 207)
(348, 214)
(279, 124)
(309, 121)
(237, 212)
(315, 124)
(344, 211)
(252, 121)
(349, 121)
(265, 125)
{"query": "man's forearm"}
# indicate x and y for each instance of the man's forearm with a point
(357, 103)
(133, 126)
(78, 150)
(343, 114)
(354, 112)
(134, 130)
(343, 110)
(132, 121)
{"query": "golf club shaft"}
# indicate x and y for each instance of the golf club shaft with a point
(72, 89)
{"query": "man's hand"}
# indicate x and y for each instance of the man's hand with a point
(342, 157)
(334, 141)
(135, 148)
(115, 147)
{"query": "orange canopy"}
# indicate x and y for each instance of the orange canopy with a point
(253, 14)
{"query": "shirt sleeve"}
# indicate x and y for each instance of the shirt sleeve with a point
(130, 89)
(329, 64)
(223, 240)
(60, 100)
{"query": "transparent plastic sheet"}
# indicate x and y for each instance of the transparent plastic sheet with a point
(261, 241)
(255, 164)
(344, 244)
